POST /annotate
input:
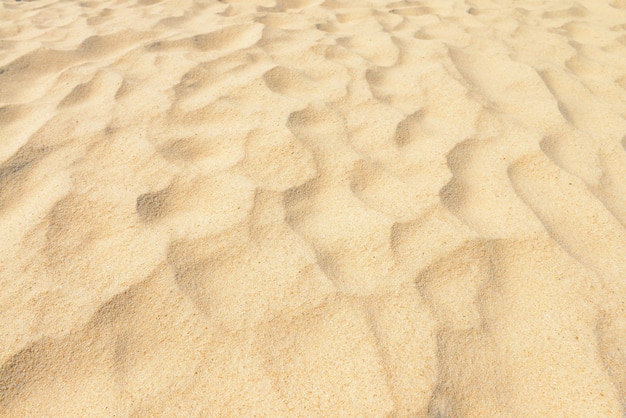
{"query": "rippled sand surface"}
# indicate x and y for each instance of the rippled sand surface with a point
(313, 208)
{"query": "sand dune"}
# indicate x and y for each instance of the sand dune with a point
(313, 208)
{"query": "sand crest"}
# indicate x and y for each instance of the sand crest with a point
(313, 208)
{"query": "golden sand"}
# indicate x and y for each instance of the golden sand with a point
(313, 208)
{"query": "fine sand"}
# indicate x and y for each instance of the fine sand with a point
(309, 208)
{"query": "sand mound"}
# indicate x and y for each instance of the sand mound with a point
(313, 208)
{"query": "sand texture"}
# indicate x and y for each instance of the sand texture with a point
(313, 208)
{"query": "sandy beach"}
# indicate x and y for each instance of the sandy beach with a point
(313, 208)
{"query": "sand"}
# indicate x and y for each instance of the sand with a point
(313, 208)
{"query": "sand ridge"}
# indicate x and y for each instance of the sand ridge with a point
(313, 208)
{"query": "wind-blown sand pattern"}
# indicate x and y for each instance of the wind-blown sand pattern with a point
(313, 208)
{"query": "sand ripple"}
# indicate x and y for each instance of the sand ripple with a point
(313, 208)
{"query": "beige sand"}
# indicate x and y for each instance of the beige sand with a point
(313, 208)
